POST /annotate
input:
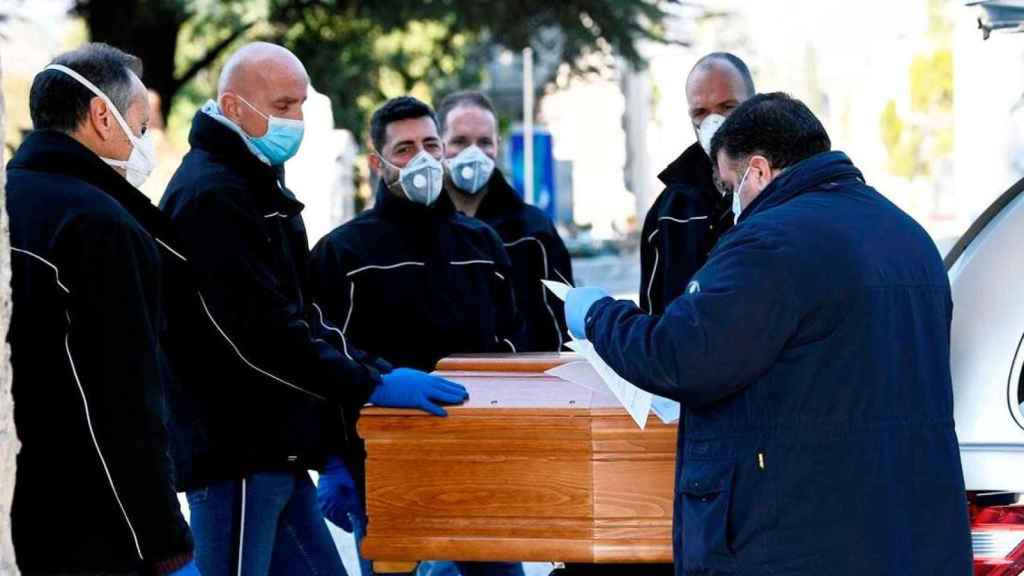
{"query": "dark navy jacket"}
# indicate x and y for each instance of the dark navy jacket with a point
(537, 252)
(413, 284)
(88, 257)
(256, 362)
(811, 357)
(680, 229)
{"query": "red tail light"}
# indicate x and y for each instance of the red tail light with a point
(997, 534)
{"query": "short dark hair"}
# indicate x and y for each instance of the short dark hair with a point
(733, 60)
(401, 108)
(473, 98)
(59, 102)
(774, 125)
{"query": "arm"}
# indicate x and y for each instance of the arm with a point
(510, 329)
(265, 326)
(710, 342)
(116, 312)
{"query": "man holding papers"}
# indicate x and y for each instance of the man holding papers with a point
(811, 358)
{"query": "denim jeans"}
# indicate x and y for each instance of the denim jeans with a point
(267, 524)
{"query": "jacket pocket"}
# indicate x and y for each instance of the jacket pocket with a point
(705, 489)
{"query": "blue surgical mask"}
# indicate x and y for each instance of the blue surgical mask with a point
(422, 179)
(282, 140)
(470, 169)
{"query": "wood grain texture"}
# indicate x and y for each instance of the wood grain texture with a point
(532, 468)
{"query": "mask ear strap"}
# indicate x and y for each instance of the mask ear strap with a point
(99, 93)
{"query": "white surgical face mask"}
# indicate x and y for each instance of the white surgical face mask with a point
(142, 160)
(470, 169)
(737, 202)
(422, 179)
(706, 131)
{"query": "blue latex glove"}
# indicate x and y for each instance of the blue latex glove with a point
(336, 494)
(577, 304)
(408, 388)
(189, 569)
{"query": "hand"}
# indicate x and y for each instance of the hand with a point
(407, 388)
(577, 303)
(336, 494)
(189, 569)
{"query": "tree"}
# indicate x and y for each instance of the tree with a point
(362, 52)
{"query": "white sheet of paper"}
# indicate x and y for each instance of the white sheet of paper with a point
(580, 373)
(559, 289)
(666, 410)
(636, 401)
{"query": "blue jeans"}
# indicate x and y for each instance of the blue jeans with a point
(267, 524)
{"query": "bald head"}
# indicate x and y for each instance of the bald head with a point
(261, 80)
(718, 83)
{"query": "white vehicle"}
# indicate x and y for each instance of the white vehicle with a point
(986, 271)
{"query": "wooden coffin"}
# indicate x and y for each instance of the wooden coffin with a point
(531, 468)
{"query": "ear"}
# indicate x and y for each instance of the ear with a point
(101, 119)
(374, 161)
(229, 106)
(763, 168)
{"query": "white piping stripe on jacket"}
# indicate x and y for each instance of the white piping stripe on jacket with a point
(389, 267)
(555, 270)
(245, 360)
(344, 343)
(241, 530)
(543, 288)
(351, 306)
(511, 345)
(56, 272)
(654, 269)
(169, 249)
(88, 422)
(275, 215)
(498, 274)
(468, 262)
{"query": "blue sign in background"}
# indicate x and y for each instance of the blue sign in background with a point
(545, 189)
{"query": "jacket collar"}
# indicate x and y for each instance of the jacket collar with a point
(52, 152)
(226, 146)
(691, 173)
(402, 209)
(500, 197)
(805, 176)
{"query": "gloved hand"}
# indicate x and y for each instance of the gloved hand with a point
(336, 494)
(189, 569)
(577, 303)
(407, 388)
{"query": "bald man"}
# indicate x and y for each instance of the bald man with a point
(256, 362)
(690, 214)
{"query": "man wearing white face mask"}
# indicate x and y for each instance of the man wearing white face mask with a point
(686, 220)
(469, 127)
(260, 368)
(90, 256)
(411, 280)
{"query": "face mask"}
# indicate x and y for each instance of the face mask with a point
(737, 204)
(283, 137)
(706, 131)
(142, 160)
(470, 169)
(421, 179)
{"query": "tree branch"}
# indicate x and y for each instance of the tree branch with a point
(211, 55)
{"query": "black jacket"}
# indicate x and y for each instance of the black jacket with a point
(680, 229)
(537, 252)
(255, 362)
(412, 284)
(85, 348)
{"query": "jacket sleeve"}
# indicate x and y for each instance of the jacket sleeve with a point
(117, 293)
(266, 327)
(510, 326)
(647, 256)
(715, 339)
(560, 269)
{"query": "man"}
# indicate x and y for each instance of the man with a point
(686, 220)
(411, 280)
(258, 364)
(85, 329)
(478, 189)
(811, 358)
